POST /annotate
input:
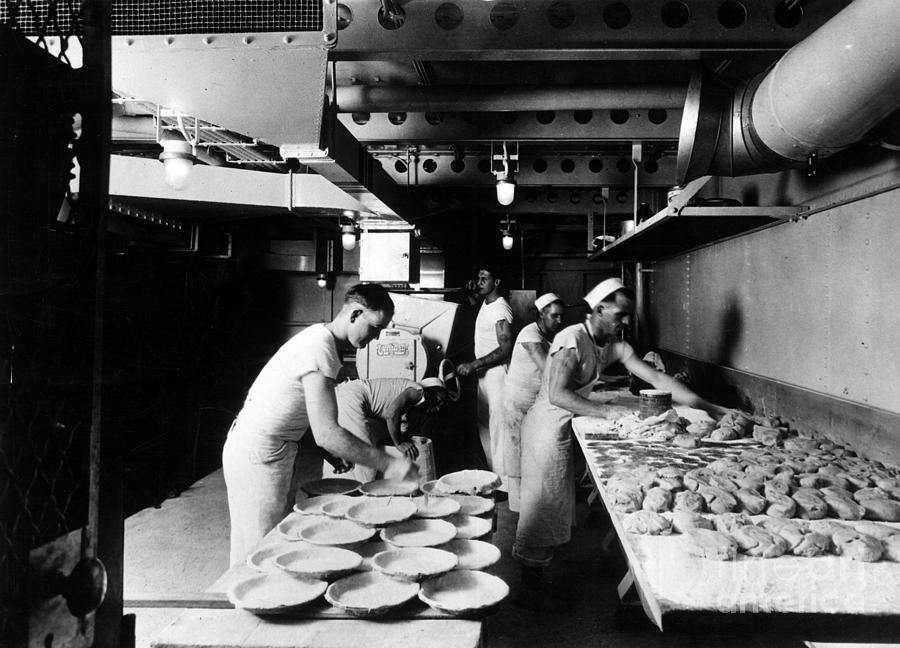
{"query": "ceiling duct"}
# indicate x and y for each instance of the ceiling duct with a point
(825, 94)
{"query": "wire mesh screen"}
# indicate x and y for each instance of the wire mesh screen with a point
(135, 17)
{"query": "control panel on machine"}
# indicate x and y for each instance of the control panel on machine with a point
(395, 354)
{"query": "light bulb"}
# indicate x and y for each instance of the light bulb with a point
(348, 236)
(507, 241)
(177, 158)
(506, 190)
(321, 280)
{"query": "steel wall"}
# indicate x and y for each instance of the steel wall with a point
(815, 303)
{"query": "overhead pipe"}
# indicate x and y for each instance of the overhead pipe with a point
(496, 98)
(825, 94)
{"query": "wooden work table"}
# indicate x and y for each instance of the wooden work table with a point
(214, 623)
(823, 598)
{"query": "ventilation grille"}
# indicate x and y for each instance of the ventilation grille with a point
(136, 17)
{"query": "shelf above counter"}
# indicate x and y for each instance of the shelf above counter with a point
(677, 230)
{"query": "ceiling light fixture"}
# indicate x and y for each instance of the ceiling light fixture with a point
(349, 235)
(504, 165)
(179, 149)
(506, 233)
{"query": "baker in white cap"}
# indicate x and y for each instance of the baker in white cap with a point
(523, 380)
(372, 409)
(577, 356)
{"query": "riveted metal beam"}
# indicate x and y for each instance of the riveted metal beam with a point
(576, 29)
(563, 171)
(560, 126)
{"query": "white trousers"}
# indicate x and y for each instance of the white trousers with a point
(261, 480)
(488, 413)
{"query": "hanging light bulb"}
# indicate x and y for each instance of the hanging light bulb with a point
(321, 280)
(177, 158)
(506, 189)
(507, 240)
(348, 236)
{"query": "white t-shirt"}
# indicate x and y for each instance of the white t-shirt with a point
(590, 359)
(276, 404)
(523, 372)
(485, 325)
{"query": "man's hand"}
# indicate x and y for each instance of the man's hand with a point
(409, 449)
(401, 468)
(340, 466)
(466, 369)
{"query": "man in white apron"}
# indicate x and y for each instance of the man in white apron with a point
(577, 356)
(523, 381)
(493, 346)
(371, 410)
(293, 392)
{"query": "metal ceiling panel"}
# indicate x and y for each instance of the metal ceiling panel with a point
(267, 86)
(561, 125)
(574, 29)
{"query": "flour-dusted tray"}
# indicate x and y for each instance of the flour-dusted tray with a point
(464, 592)
(470, 526)
(429, 506)
(472, 554)
(469, 482)
(389, 488)
(419, 532)
(381, 511)
(336, 533)
(313, 505)
(414, 563)
(318, 563)
(369, 594)
(274, 593)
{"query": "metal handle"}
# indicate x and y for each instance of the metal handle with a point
(84, 588)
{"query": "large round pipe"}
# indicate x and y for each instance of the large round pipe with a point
(378, 99)
(832, 88)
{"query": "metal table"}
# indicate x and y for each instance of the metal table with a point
(822, 598)
(212, 622)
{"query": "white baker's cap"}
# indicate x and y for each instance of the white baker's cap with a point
(602, 290)
(433, 382)
(545, 300)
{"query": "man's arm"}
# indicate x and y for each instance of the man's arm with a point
(681, 393)
(537, 353)
(562, 367)
(496, 357)
(321, 406)
(404, 400)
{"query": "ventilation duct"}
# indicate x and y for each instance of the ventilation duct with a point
(827, 93)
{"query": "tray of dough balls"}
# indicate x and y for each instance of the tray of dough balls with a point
(829, 516)
(389, 551)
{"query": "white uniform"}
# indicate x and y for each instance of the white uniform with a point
(263, 443)
(548, 481)
(523, 381)
(362, 405)
(490, 385)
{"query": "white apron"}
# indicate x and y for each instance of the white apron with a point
(548, 479)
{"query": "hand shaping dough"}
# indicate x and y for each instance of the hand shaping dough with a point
(710, 544)
(647, 523)
(756, 541)
(852, 544)
(689, 501)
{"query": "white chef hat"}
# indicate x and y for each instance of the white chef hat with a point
(601, 291)
(545, 300)
(433, 382)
